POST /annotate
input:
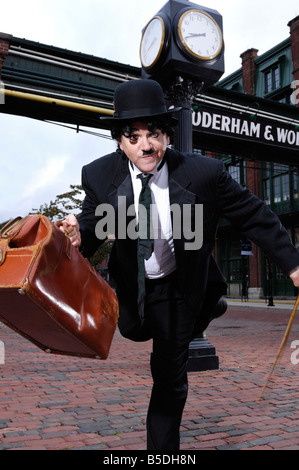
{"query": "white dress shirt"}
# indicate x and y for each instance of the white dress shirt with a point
(162, 262)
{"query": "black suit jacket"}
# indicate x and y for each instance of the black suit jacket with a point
(193, 179)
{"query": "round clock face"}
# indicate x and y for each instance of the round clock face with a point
(152, 42)
(200, 35)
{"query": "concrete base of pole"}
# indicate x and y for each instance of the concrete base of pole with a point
(202, 356)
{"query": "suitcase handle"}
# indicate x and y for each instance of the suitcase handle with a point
(4, 236)
(9, 226)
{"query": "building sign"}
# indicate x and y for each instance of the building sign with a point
(246, 248)
(246, 127)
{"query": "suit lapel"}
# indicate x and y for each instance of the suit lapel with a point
(122, 198)
(122, 184)
(180, 195)
(179, 181)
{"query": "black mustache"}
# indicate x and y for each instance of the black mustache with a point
(147, 152)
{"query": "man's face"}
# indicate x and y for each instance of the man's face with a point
(144, 148)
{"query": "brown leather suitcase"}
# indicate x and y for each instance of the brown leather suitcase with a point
(50, 294)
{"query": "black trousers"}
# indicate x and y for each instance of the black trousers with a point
(171, 324)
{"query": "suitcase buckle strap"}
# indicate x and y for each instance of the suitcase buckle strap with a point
(9, 226)
(5, 236)
(3, 250)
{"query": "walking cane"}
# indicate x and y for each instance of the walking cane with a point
(281, 346)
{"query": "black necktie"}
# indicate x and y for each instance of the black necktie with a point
(145, 238)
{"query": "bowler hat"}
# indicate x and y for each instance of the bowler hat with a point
(138, 99)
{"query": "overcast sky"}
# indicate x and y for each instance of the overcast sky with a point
(40, 160)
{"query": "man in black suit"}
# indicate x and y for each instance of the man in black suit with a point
(181, 279)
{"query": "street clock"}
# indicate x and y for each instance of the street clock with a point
(154, 41)
(198, 35)
(183, 38)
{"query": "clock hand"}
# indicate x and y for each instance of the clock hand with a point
(193, 35)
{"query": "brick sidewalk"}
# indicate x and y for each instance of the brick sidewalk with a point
(56, 402)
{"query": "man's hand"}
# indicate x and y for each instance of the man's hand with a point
(295, 277)
(70, 227)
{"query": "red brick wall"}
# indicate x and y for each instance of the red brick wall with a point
(252, 173)
(294, 31)
(248, 70)
(4, 48)
(248, 73)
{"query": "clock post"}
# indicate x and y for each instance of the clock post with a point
(182, 48)
(181, 92)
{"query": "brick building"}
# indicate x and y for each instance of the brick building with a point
(4, 48)
(269, 76)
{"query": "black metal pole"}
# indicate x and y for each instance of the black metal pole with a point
(181, 92)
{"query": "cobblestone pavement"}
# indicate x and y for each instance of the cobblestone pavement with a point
(57, 402)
